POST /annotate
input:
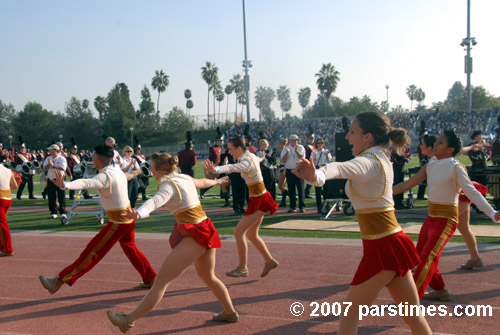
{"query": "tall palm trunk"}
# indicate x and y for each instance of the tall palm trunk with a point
(227, 107)
(158, 103)
(213, 98)
(208, 107)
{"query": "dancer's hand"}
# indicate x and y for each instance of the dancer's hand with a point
(59, 181)
(131, 214)
(497, 216)
(223, 180)
(305, 170)
(209, 166)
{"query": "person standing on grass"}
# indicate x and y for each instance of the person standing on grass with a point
(55, 162)
(389, 254)
(8, 182)
(194, 239)
(260, 202)
(111, 184)
(445, 178)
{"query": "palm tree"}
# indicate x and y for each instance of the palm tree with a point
(159, 83)
(327, 81)
(187, 95)
(304, 96)
(283, 93)
(228, 90)
(411, 92)
(219, 96)
(238, 87)
(209, 73)
(420, 96)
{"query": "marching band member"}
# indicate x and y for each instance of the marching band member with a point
(129, 165)
(267, 166)
(214, 154)
(73, 160)
(187, 157)
(55, 161)
(320, 158)
(21, 157)
(290, 156)
(7, 183)
(388, 253)
(260, 202)
(445, 177)
(141, 179)
(111, 184)
(194, 239)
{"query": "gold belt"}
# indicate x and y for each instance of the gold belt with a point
(375, 223)
(442, 210)
(257, 189)
(5, 194)
(194, 214)
(115, 215)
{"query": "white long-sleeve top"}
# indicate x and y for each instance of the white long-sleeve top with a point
(248, 165)
(321, 158)
(292, 159)
(176, 196)
(59, 162)
(367, 177)
(443, 189)
(5, 176)
(111, 184)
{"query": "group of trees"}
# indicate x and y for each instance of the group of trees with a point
(116, 116)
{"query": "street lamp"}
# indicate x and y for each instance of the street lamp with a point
(131, 139)
(466, 43)
(387, 94)
(246, 65)
(10, 141)
(60, 138)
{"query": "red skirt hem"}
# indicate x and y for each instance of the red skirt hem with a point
(264, 203)
(395, 252)
(204, 233)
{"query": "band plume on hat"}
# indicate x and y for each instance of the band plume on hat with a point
(189, 139)
(73, 143)
(220, 136)
(137, 144)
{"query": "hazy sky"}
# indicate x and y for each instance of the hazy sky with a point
(53, 50)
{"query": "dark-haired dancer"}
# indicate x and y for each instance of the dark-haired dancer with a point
(259, 203)
(111, 184)
(445, 177)
(388, 253)
(194, 239)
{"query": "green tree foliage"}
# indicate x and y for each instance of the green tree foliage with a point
(81, 124)
(172, 124)
(7, 114)
(159, 83)
(239, 89)
(263, 98)
(120, 114)
(327, 81)
(456, 92)
(36, 125)
(419, 96)
(228, 90)
(101, 105)
(148, 120)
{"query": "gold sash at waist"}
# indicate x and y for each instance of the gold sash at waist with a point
(375, 224)
(194, 214)
(257, 189)
(442, 210)
(5, 194)
(115, 215)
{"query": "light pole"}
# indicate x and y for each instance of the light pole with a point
(60, 138)
(387, 95)
(10, 141)
(131, 139)
(466, 43)
(246, 65)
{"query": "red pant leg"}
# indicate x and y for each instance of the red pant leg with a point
(5, 239)
(95, 250)
(434, 235)
(135, 256)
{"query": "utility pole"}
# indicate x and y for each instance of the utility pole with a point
(246, 65)
(466, 43)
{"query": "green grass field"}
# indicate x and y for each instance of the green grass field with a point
(163, 223)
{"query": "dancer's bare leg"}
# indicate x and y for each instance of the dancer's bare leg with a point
(245, 223)
(205, 266)
(403, 290)
(362, 294)
(464, 229)
(254, 237)
(179, 259)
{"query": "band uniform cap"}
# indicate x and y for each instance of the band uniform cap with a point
(311, 136)
(475, 133)
(138, 146)
(294, 137)
(23, 145)
(74, 147)
(54, 147)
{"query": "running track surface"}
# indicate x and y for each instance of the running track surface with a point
(310, 270)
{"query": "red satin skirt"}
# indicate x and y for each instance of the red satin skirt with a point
(204, 233)
(395, 252)
(480, 187)
(264, 203)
